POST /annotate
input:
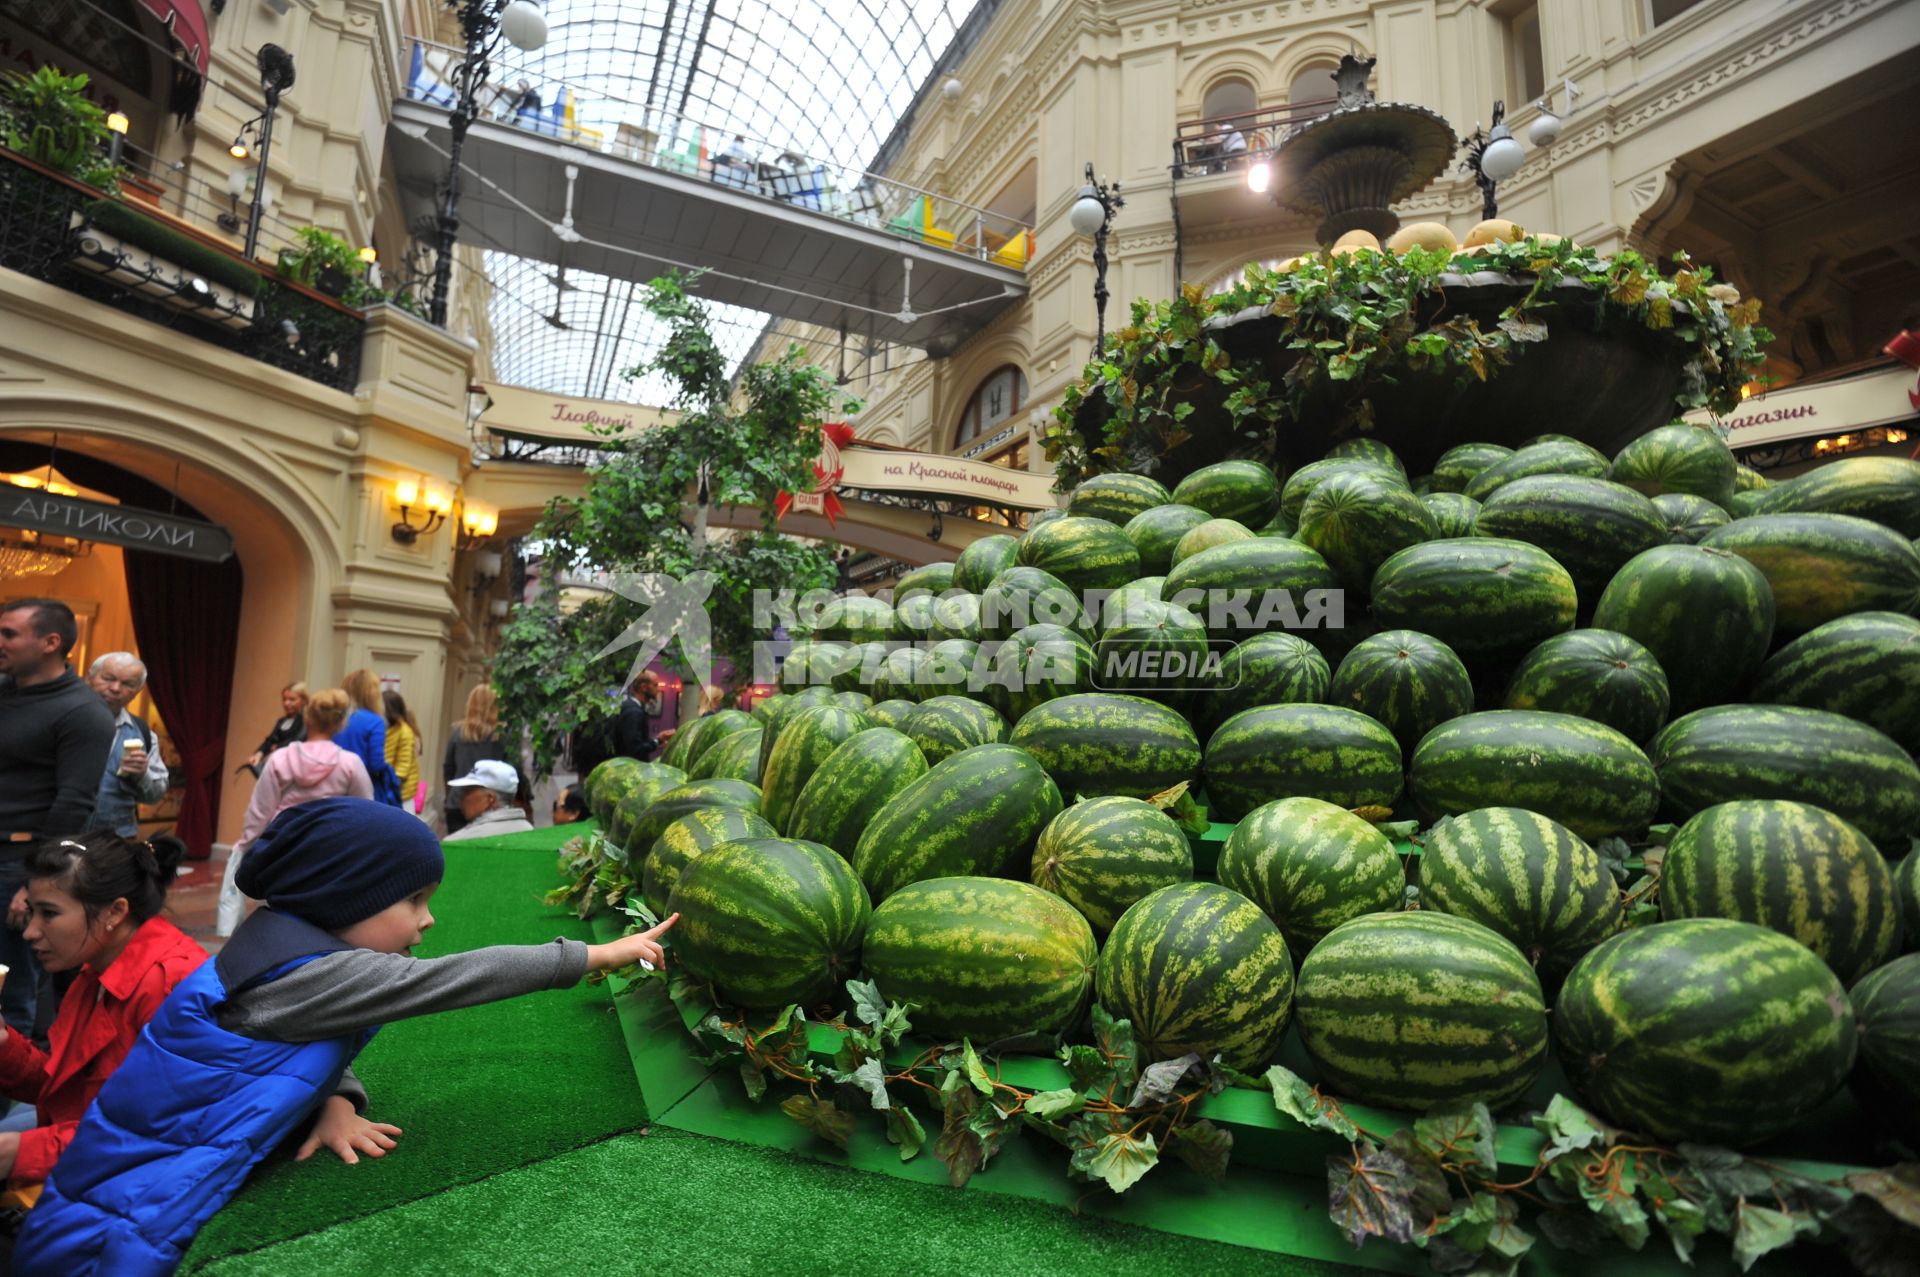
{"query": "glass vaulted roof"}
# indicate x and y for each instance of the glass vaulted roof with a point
(827, 79)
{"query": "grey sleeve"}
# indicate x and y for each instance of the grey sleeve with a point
(359, 989)
(353, 1089)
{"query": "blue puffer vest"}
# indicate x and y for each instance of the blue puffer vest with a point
(180, 1123)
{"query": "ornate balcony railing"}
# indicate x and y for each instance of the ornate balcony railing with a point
(116, 252)
(1225, 143)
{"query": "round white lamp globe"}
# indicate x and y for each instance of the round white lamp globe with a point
(1087, 214)
(524, 25)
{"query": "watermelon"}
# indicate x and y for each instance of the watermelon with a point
(1086, 554)
(1363, 448)
(1689, 518)
(1460, 465)
(1406, 681)
(1356, 522)
(1906, 889)
(850, 787)
(1550, 456)
(930, 579)
(1302, 482)
(1582, 774)
(813, 663)
(1252, 587)
(1311, 866)
(1117, 498)
(1204, 536)
(1267, 669)
(890, 713)
(1706, 614)
(682, 800)
(948, 668)
(1413, 1010)
(981, 958)
(1590, 526)
(853, 618)
(985, 559)
(1198, 968)
(1244, 491)
(1023, 596)
(956, 616)
(1034, 665)
(1883, 489)
(853, 702)
(1677, 458)
(977, 812)
(1152, 649)
(1453, 514)
(769, 921)
(1823, 566)
(1547, 438)
(735, 758)
(1747, 479)
(615, 778)
(1529, 878)
(694, 834)
(1724, 752)
(862, 667)
(1102, 854)
(1487, 598)
(1155, 532)
(1041, 518)
(913, 617)
(1865, 666)
(1744, 505)
(1095, 743)
(903, 675)
(1145, 589)
(1705, 1029)
(1886, 1008)
(1598, 674)
(804, 744)
(945, 725)
(1795, 868)
(1288, 751)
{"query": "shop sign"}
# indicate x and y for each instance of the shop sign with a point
(535, 414)
(40, 511)
(931, 474)
(1882, 398)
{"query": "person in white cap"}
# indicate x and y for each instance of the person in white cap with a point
(486, 801)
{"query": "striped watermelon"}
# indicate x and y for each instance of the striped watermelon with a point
(1151, 649)
(949, 666)
(707, 731)
(1906, 889)
(1795, 868)
(913, 618)
(680, 801)
(1244, 491)
(1453, 514)
(1883, 489)
(1365, 448)
(977, 812)
(985, 559)
(981, 958)
(1529, 878)
(1301, 483)
(1706, 614)
(1823, 566)
(615, 778)
(1677, 458)
(1746, 504)
(1289, 751)
(1724, 752)
(903, 675)
(957, 616)
(694, 834)
(1145, 589)
(1155, 532)
(1590, 526)
(1041, 518)
(769, 921)
(945, 725)
(1103, 854)
(1413, 1010)
(1199, 968)
(1035, 665)
(1096, 743)
(1087, 554)
(890, 713)
(1406, 681)
(1117, 498)
(1311, 866)
(930, 578)
(853, 702)
(735, 758)
(813, 663)
(850, 787)
(1598, 674)
(1267, 669)
(853, 618)
(1487, 598)
(1460, 465)
(804, 744)
(1689, 518)
(1252, 587)
(1747, 479)
(1356, 522)
(1585, 775)
(1023, 596)
(1886, 1008)
(1705, 1029)
(862, 667)
(1550, 456)
(1204, 536)
(775, 712)
(1865, 666)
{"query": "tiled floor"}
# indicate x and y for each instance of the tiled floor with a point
(192, 902)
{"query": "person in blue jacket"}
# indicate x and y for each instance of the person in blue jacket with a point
(365, 734)
(254, 1047)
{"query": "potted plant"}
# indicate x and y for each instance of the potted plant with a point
(47, 117)
(320, 260)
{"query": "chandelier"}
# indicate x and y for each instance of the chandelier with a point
(25, 554)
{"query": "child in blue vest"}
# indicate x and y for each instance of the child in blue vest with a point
(255, 1045)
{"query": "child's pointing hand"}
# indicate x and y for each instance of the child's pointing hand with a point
(643, 946)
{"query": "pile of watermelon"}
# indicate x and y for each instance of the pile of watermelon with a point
(979, 794)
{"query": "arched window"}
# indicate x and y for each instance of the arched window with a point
(1001, 394)
(1229, 97)
(1312, 84)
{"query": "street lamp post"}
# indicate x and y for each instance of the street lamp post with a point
(276, 77)
(1092, 214)
(1492, 157)
(482, 24)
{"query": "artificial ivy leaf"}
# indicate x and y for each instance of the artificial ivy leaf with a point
(1615, 853)
(1523, 330)
(1088, 1067)
(754, 1078)
(1897, 1190)
(1725, 1173)
(871, 1077)
(1117, 1158)
(1684, 1222)
(823, 1117)
(1576, 1230)
(868, 1003)
(975, 1070)
(719, 1038)
(1295, 1097)
(1459, 1135)
(1628, 288)
(1114, 1038)
(904, 1129)
(1157, 1081)
(1759, 1230)
(896, 1025)
(1395, 1191)
(1570, 1128)
(1060, 1103)
(1204, 1148)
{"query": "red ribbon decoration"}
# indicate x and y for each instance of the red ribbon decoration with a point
(834, 435)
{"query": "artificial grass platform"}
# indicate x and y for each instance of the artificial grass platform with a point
(477, 1091)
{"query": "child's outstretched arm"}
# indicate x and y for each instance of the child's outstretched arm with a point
(643, 946)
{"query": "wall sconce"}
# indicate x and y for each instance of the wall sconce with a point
(487, 565)
(497, 611)
(434, 506)
(477, 523)
(117, 124)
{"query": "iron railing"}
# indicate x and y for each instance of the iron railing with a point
(1224, 143)
(123, 254)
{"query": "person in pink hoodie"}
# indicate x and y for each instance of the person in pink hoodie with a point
(295, 774)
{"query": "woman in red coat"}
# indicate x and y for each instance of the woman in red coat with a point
(93, 906)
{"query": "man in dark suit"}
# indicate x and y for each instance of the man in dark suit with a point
(638, 709)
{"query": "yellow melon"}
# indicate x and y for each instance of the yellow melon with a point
(1493, 231)
(1357, 239)
(1428, 235)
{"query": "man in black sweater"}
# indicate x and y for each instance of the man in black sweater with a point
(55, 733)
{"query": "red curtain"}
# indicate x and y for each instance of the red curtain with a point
(186, 620)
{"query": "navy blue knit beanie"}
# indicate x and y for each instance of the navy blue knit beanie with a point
(336, 861)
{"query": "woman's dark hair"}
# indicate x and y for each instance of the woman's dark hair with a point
(573, 802)
(98, 869)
